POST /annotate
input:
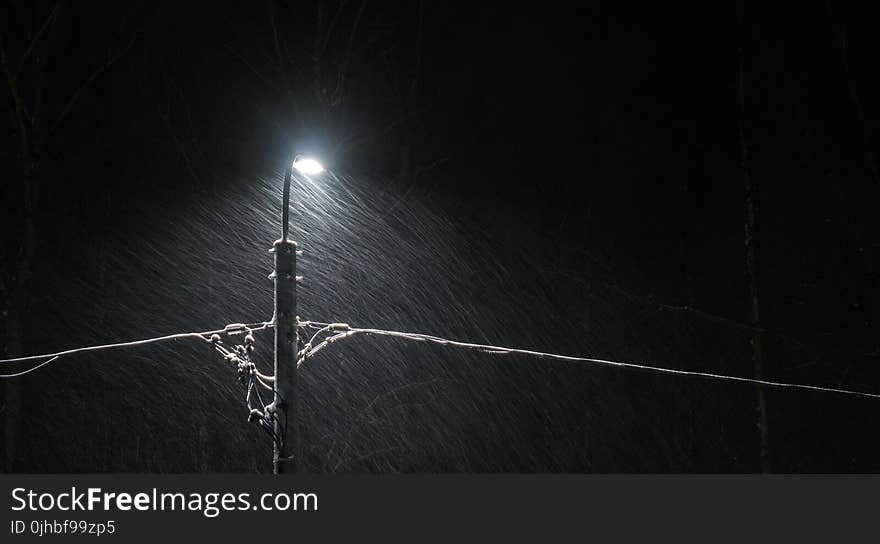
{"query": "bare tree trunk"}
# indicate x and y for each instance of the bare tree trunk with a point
(684, 224)
(751, 256)
(33, 130)
(16, 305)
(11, 391)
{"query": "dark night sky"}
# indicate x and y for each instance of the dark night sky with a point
(589, 152)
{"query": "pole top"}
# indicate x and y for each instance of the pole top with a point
(285, 245)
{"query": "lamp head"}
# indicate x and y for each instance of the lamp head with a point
(307, 165)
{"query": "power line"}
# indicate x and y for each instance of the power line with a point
(233, 328)
(28, 371)
(345, 331)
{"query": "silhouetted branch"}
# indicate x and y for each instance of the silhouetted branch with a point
(111, 60)
(338, 94)
(50, 18)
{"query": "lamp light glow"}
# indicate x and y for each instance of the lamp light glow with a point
(307, 166)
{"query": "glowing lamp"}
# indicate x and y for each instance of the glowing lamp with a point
(307, 166)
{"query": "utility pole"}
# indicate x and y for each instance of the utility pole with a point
(286, 454)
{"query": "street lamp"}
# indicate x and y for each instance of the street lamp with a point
(286, 454)
(307, 165)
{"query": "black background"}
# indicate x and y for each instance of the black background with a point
(542, 176)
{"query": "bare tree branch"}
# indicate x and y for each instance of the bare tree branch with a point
(22, 116)
(339, 92)
(329, 33)
(50, 18)
(280, 59)
(111, 60)
(839, 35)
(179, 144)
(252, 68)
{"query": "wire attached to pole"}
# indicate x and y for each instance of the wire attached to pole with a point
(207, 336)
(343, 330)
(346, 331)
